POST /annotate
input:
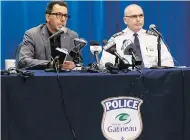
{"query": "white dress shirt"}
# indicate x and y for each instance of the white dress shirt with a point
(148, 46)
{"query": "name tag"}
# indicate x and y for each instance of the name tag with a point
(150, 49)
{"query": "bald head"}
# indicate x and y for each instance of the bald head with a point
(131, 8)
(134, 17)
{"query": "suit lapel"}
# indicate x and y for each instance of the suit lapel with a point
(45, 36)
(66, 42)
(64, 37)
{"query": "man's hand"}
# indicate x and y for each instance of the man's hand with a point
(68, 65)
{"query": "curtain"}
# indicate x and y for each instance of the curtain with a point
(98, 20)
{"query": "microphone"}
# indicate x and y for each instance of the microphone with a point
(105, 42)
(111, 68)
(75, 52)
(110, 47)
(151, 33)
(108, 65)
(62, 50)
(79, 44)
(62, 30)
(94, 42)
(95, 49)
(152, 27)
(62, 54)
(130, 50)
(94, 67)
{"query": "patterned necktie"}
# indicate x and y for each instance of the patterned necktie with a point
(138, 48)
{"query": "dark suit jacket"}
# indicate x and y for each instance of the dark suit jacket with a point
(35, 48)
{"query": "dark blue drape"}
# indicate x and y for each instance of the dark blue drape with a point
(98, 20)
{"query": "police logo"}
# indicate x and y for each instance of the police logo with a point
(122, 118)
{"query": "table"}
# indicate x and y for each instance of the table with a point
(33, 109)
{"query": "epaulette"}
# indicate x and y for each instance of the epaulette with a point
(148, 32)
(117, 34)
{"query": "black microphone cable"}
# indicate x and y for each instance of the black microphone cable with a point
(141, 77)
(183, 101)
(63, 100)
(111, 68)
(94, 68)
(24, 74)
(170, 52)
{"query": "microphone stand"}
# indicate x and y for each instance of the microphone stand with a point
(57, 64)
(133, 62)
(77, 59)
(159, 66)
(159, 50)
(116, 61)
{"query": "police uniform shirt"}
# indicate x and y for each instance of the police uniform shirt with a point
(148, 46)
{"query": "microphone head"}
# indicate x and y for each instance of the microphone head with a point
(83, 40)
(62, 50)
(105, 42)
(95, 48)
(62, 55)
(130, 50)
(93, 43)
(128, 46)
(152, 26)
(126, 43)
(63, 29)
(79, 45)
(110, 46)
(108, 65)
(111, 68)
(80, 42)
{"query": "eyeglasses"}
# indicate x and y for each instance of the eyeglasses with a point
(60, 15)
(136, 16)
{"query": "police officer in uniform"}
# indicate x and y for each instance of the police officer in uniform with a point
(145, 44)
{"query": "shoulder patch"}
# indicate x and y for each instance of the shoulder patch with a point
(117, 34)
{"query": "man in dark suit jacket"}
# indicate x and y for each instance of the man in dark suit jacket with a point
(37, 50)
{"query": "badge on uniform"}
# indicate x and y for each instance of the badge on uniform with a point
(122, 118)
(149, 48)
